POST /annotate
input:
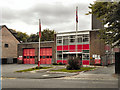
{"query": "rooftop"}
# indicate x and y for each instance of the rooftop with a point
(77, 31)
(37, 42)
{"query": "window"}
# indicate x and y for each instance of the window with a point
(65, 56)
(72, 36)
(85, 56)
(85, 51)
(72, 39)
(65, 37)
(86, 35)
(59, 52)
(59, 57)
(59, 37)
(85, 40)
(65, 42)
(59, 41)
(6, 45)
(79, 39)
(50, 56)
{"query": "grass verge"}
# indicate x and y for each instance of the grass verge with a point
(71, 71)
(31, 69)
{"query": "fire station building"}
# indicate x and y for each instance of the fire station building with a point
(28, 52)
(85, 45)
(82, 44)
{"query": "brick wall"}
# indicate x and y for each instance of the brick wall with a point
(8, 38)
(96, 45)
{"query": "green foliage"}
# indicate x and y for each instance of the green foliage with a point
(69, 67)
(47, 35)
(72, 71)
(31, 69)
(63, 63)
(74, 64)
(60, 63)
(33, 38)
(109, 14)
(22, 37)
(38, 67)
(55, 64)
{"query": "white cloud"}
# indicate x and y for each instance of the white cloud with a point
(59, 15)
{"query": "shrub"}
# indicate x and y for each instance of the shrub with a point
(60, 63)
(64, 64)
(38, 67)
(55, 64)
(74, 64)
(69, 67)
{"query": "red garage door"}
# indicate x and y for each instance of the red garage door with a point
(45, 55)
(29, 56)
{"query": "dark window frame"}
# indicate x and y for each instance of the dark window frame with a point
(6, 45)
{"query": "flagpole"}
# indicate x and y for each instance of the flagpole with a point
(39, 42)
(39, 53)
(76, 29)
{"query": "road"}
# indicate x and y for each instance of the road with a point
(58, 83)
(15, 67)
(8, 71)
(100, 78)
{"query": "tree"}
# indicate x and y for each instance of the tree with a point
(22, 37)
(47, 35)
(109, 14)
(33, 38)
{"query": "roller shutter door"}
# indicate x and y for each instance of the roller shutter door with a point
(29, 56)
(45, 55)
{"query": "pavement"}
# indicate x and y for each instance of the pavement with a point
(100, 73)
(101, 77)
(8, 71)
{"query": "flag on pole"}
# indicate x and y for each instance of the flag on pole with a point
(39, 28)
(76, 14)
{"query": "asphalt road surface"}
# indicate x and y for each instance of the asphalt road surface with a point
(58, 83)
(99, 78)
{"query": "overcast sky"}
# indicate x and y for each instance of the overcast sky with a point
(58, 15)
